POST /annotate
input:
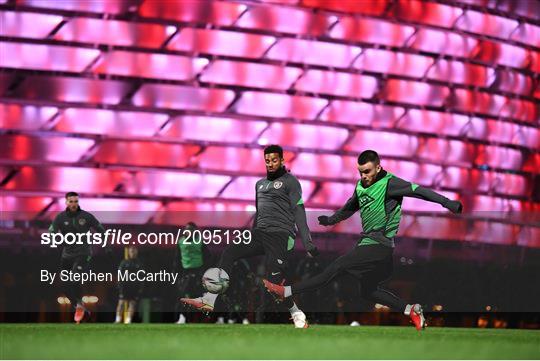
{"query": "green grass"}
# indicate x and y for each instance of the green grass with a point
(208, 341)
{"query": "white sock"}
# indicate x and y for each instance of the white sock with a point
(288, 291)
(118, 319)
(294, 308)
(210, 298)
(127, 320)
(408, 310)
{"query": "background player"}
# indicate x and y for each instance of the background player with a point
(75, 257)
(129, 291)
(279, 211)
(378, 196)
(190, 261)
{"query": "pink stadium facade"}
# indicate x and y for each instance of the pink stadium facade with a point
(158, 106)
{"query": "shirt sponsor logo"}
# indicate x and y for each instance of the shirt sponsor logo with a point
(278, 184)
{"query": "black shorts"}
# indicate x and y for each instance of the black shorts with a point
(75, 264)
(273, 245)
(190, 283)
(129, 291)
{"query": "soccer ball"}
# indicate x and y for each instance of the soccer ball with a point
(215, 280)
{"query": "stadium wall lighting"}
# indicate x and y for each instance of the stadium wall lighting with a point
(90, 299)
(63, 300)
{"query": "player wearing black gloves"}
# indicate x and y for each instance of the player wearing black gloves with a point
(378, 196)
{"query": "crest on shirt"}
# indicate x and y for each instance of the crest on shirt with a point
(82, 221)
(66, 223)
(278, 184)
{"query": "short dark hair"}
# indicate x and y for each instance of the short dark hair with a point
(274, 148)
(71, 194)
(191, 225)
(368, 156)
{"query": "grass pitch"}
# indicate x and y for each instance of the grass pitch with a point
(209, 341)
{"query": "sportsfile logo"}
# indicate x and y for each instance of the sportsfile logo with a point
(120, 237)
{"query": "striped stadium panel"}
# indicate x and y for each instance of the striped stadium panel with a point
(69, 89)
(478, 102)
(498, 157)
(444, 42)
(426, 121)
(66, 179)
(193, 11)
(522, 110)
(232, 159)
(424, 174)
(415, 92)
(243, 188)
(482, 181)
(503, 132)
(113, 210)
(371, 31)
(25, 117)
(108, 7)
(250, 74)
(529, 237)
(148, 65)
(221, 42)
(333, 194)
(486, 24)
(386, 143)
(22, 148)
(360, 113)
(531, 163)
(453, 152)
(390, 62)
(314, 52)
(46, 57)
(324, 166)
(28, 25)
(200, 128)
(206, 213)
(337, 83)
(461, 73)
(427, 12)
(513, 82)
(22, 208)
(527, 34)
(497, 53)
(149, 154)
(182, 97)
(115, 32)
(109, 122)
(438, 228)
(356, 7)
(176, 184)
(304, 136)
(279, 105)
(285, 20)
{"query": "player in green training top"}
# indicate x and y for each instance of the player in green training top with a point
(75, 257)
(191, 260)
(378, 196)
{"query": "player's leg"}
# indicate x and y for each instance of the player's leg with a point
(228, 257)
(360, 258)
(372, 290)
(80, 264)
(120, 309)
(277, 251)
(131, 304)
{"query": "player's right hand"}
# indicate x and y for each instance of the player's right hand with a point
(324, 220)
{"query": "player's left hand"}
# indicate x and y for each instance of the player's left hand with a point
(455, 206)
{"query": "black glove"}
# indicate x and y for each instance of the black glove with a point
(314, 252)
(454, 206)
(324, 220)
